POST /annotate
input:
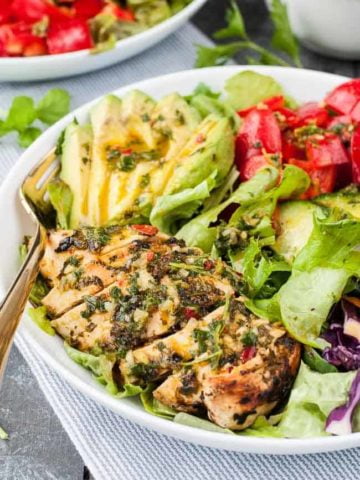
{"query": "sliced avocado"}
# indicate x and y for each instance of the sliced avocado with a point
(126, 184)
(347, 200)
(75, 169)
(173, 121)
(296, 224)
(136, 111)
(108, 129)
(210, 148)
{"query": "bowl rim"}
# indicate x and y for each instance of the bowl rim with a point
(128, 42)
(278, 446)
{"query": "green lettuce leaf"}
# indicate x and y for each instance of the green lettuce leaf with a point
(39, 316)
(320, 274)
(155, 407)
(259, 265)
(38, 291)
(196, 422)
(306, 300)
(198, 232)
(102, 367)
(170, 209)
(61, 199)
(248, 88)
(313, 397)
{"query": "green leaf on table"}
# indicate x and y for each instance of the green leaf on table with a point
(212, 56)
(235, 24)
(39, 316)
(21, 115)
(28, 136)
(283, 38)
(53, 106)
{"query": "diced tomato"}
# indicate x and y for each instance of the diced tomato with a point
(17, 39)
(121, 13)
(311, 113)
(355, 155)
(274, 103)
(5, 11)
(355, 113)
(145, 229)
(35, 48)
(259, 132)
(252, 165)
(86, 9)
(248, 353)
(322, 179)
(345, 97)
(285, 117)
(34, 10)
(191, 313)
(290, 149)
(68, 36)
(326, 151)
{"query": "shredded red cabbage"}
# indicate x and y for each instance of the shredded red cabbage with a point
(339, 421)
(344, 351)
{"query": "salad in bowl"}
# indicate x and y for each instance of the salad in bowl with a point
(203, 255)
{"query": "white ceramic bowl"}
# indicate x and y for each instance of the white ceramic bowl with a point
(303, 85)
(330, 27)
(21, 69)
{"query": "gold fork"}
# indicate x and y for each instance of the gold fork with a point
(33, 196)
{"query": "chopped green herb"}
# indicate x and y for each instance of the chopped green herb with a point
(249, 339)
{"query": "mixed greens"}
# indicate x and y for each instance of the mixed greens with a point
(202, 169)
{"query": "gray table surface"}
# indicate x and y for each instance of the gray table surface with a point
(39, 448)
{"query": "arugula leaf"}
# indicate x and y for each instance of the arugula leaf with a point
(53, 106)
(283, 39)
(235, 21)
(316, 362)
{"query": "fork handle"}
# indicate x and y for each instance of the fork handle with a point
(15, 300)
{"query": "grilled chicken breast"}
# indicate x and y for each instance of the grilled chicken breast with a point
(231, 364)
(170, 315)
(130, 288)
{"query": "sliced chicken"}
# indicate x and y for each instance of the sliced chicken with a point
(144, 290)
(232, 364)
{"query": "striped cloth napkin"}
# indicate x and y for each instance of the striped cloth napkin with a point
(114, 448)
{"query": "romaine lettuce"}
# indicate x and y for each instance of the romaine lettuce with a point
(39, 316)
(102, 368)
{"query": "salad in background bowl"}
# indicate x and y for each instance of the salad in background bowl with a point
(230, 185)
(57, 39)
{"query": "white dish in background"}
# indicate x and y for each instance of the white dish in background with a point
(329, 27)
(24, 69)
(304, 85)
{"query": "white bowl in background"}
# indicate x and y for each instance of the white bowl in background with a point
(304, 85)
(24, 69)
(329, 27)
